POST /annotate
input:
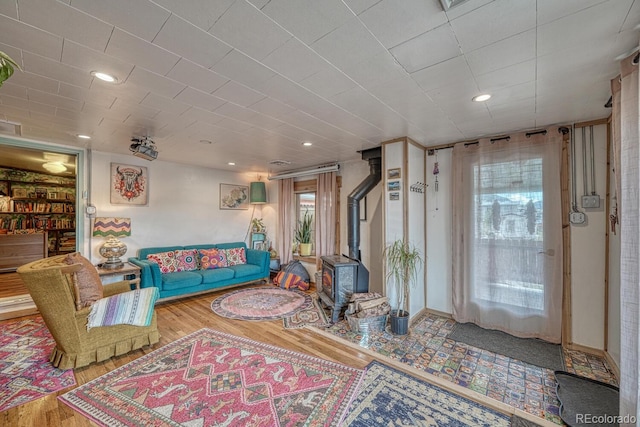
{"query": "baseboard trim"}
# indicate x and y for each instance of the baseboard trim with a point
(17, 306)
(585, 349)
(439, 313)
(612, 364)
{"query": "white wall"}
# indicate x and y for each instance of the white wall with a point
(438, 262)
(183, 205)
(416, 222)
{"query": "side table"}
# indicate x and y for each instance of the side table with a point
(126, 272)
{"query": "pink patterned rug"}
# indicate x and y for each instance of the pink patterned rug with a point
(312, 316)
(210, 378)
(25, 371)
(260, 303)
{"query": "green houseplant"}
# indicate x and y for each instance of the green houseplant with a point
(6, 67)
(403, 261)
(303, 234)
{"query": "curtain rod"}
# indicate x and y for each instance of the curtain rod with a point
(305, 172)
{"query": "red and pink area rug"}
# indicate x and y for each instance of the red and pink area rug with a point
(261, 303)
(25, 371)
(210, 378)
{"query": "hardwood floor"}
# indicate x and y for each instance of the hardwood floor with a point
(11, 285)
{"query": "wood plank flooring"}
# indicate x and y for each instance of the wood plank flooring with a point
(11, 285)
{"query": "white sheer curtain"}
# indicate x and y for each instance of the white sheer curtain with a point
(507, 235)
(286, 219)
(627, 112)
(326, 194)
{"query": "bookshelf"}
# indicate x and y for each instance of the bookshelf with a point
(37, 203)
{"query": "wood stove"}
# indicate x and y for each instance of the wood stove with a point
(341, 277)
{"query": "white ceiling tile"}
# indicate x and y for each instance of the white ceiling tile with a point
(349, 44)
(141, 78)
(308, 20)
(512, 94)
(510, 51)
(187, 40)
(236, 112)
(54, 69)
(135, 50)
(466, 7)
(242, 69)
(328, 82)
(271, 107)
(375, 70)
(83, 58)
(111, 113)
(503, 18)
(12, 89)
(199, 99)
(55, 100)
(295, 60)
(394, 22)
(35, 81)
(168, 105)
(134, 109)
(427, 49)
(633, 17)
(456, 96)
(9, 8)
(508, 76)
(142, 18)
(62, 20)
(259, 3)
(551, 10)
(443, 74)
(265, 122)
(264, 37)
(23, 36)
(233, 124)
(103, 99)
(571, 30)
(196, 76)
(359, 6)
(238, 94)
(201, 13)
(201, 115)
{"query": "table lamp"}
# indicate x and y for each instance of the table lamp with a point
(113, 249)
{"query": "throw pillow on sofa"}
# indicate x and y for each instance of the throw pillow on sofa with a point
(212, 258)
(166, 261)
(187, 259)
(236, 256)
(87, 283)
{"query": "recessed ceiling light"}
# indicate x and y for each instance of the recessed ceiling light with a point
(481, 98)
(104, 77)
(83, 136)
(231, 163)
(307, 144)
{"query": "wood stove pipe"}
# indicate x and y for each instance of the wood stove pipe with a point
(374, 156)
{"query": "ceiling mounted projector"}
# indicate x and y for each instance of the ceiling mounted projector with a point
(144, 148)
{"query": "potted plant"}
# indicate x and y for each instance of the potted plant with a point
(403, 260)
(6, 67)
(303, 234)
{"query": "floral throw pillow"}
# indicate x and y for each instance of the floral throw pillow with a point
(187, 259)
(212, 258)
(236, 256)
(166, 261)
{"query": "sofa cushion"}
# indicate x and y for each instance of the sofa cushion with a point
(212, 258)
(166, 261)
(243, 270)
(87, 283)
(187, 259)
(216, 275)
(236, 256)
(180, 279)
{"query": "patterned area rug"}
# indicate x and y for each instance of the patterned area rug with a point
(312, 316)
(25, 371)
(210, 378)
(389, 397)
(260, 303)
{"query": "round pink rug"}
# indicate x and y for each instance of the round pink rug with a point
(260, 303)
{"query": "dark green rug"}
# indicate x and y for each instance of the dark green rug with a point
(586, 402)
(530, 350)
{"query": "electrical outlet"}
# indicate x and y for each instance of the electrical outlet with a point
(576, 218)
(591, 201)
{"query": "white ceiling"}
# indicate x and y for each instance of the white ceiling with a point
(259, 77)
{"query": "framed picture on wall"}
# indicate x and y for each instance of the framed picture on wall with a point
(394, 173)
(393, 185)
(233, 196)
(129, 185)
(394, 196)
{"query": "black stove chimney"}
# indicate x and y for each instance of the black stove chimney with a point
(374, 156)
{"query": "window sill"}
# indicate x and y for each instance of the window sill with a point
(310, 259)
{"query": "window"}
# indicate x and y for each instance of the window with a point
(306, 204)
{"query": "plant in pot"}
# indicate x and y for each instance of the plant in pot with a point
(403, 261)
(303, 234)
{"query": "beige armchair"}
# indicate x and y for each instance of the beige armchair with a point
(50, 282)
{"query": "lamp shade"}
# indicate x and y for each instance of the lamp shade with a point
(257, 193)
(112, 227)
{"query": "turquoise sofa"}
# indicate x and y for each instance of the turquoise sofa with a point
(172, 285)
